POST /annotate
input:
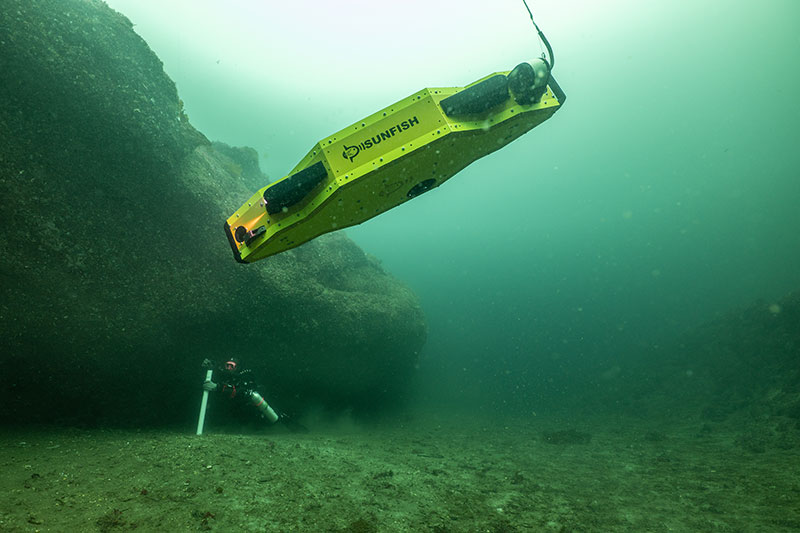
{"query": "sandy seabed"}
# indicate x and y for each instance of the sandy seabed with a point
(427, 474)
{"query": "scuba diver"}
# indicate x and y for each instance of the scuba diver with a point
(238, 384)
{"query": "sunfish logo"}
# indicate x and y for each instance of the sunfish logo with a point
(350, 152)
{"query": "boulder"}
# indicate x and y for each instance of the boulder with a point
(117, 279)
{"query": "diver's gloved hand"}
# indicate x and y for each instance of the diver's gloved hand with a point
(209, 386)
(207, 364)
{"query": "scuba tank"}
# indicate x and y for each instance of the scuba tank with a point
(263, 407)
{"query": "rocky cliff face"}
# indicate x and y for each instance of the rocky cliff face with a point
(117, 280)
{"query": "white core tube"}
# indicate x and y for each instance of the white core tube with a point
(203, 404)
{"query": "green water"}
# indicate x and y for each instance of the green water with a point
(612, 300)
(663, 194)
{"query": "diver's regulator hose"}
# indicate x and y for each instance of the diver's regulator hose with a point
(552, 62)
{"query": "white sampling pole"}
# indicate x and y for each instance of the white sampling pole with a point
(203, 404)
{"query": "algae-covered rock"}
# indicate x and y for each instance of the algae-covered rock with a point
(740, 371)
(117, 280)
(244, 163)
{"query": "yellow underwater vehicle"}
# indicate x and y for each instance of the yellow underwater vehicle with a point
(392, 156)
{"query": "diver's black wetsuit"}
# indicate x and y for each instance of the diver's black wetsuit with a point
(236, 385)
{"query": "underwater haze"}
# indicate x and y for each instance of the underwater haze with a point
(594, 329)
(662, 195)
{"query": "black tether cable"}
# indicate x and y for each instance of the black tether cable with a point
(542, 37)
